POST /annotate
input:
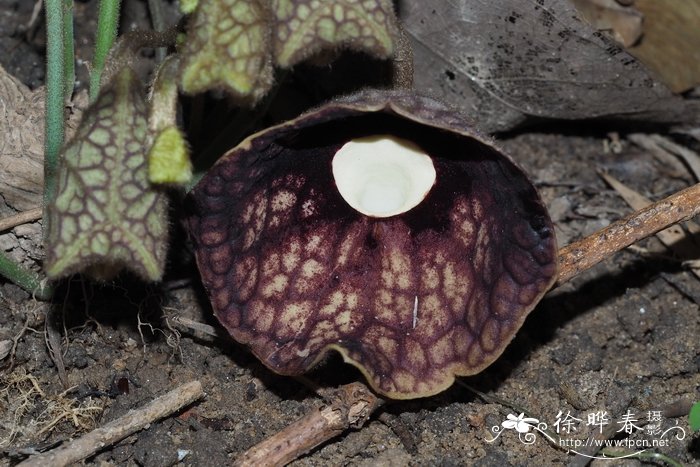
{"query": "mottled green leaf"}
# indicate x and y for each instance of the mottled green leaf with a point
(305, 27)
(228, 48)
(106, 216)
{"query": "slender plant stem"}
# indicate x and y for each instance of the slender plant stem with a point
(155, 7)
(25, 278)
(55, 88)
(68, 50)
(54, 133)
(107, 23)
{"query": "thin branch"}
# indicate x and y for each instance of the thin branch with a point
(352, 406)
(116, 430)
(586, 253)
(52, 339)
(20, 218)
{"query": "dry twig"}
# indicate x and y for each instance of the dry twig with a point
(586, 253)
(118, 429)
(353, 405)
(194, 325)
(20, 218)
(674, 237)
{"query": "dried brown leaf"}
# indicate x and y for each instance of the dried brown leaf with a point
(624, 23)
(670, 46)
(514, 60)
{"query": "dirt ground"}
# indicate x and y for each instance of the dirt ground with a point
(620, 338)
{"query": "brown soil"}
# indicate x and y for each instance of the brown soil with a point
(621, 337)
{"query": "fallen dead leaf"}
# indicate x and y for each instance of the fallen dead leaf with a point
(623, 22)
(670, 45)
(509, 62)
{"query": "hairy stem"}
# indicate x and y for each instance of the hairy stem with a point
(68, 51)
(54, 133)
(55, 91)
(107, 23)
(25, 278)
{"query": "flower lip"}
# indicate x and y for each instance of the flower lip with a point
(382, 175)
(412, 300)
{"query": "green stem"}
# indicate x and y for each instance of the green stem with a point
(68, 50)
(25, 278)
(54, 96)
(107, 23)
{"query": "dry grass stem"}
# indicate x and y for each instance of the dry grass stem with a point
(671, 164)
(35, 413)
(82, 414)
(195, 325)
(18, 392)
(688, 156)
